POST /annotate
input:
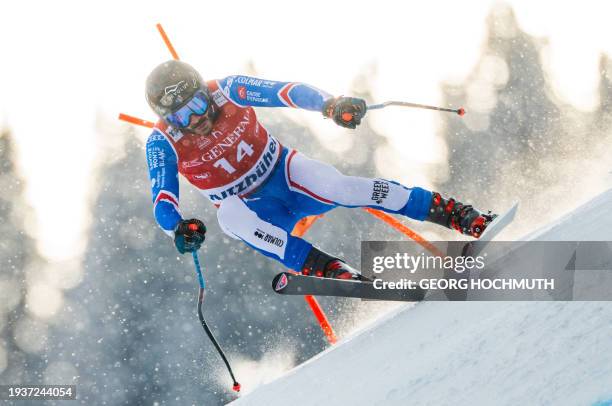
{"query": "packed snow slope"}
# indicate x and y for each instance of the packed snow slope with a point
(470, 353)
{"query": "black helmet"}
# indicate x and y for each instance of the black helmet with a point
(171, 85)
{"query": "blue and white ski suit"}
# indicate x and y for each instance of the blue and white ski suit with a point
(261, 187)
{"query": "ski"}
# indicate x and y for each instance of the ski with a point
(286, 283)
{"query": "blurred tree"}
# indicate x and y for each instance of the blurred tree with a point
(22, 336)
(604, 113)
(519, 140)
(513, 139)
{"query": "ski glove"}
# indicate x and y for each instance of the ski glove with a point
(189, 235)
(345, 111)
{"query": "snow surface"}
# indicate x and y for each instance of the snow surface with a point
(470, 353)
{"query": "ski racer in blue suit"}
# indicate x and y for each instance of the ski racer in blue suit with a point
(209, 133)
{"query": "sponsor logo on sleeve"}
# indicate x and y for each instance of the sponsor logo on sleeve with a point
(228, 84)
(242, 92)
(156, 136)
(249, 81)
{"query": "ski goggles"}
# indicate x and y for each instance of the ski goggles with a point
(198, 105)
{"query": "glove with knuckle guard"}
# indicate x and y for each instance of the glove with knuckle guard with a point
(189, 235)
(345, 111)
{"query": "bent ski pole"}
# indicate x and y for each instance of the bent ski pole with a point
(460, 111)
(196, 262)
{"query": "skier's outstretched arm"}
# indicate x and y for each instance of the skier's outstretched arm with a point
(188, 234)
(163, 172)
(250, 91)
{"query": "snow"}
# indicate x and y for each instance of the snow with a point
(469, 353)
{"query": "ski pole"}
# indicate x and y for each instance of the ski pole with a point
(460, 111)
(196, 262)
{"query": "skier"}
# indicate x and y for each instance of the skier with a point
(209, 133)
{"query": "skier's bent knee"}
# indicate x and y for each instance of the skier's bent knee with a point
(229, 217)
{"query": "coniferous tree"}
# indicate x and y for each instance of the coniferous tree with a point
(509, 144)
(22, 335)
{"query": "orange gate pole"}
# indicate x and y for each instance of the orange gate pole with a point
(136, 120)
(162, 32)
(402, 228)
(299, 230)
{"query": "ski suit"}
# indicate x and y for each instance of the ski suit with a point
(261, 187)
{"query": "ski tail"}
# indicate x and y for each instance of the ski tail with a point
(293, 284)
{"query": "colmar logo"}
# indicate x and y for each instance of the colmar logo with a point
(242, 92)
(270, 239)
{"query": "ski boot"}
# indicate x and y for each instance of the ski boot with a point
(458, 216)
(323, 265)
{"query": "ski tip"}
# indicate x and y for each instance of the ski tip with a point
(514, 207)
(461, 111)
(499, 223)
(236, 387)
